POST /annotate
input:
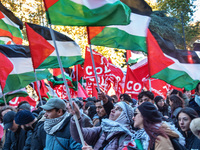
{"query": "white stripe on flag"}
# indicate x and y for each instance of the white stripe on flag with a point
(8, 21)
(190, 69)
(66, 48)
(21, 65)
(138, 26)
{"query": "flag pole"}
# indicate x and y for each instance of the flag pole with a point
(77, 77)
(66, 86)
(95, 72)
(38, 87)
(149, 84)
(93, 64)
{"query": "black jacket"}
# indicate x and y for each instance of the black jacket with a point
(38, 137)
(192, 142)
(194, 105)
(15, 140)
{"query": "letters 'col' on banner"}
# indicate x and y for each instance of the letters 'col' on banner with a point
(101, 64)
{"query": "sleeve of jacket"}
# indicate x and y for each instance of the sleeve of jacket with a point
(90, 135)
(163, 143)
(8, 142)
(108, 107)
(74, 145)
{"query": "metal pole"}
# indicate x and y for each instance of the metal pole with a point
(77, 77)
(94, 68)
(183, 30)
(66, 86)
(38, 87)
(149, 84)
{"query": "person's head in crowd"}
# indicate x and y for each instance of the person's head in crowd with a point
(122, 113)
(175, 101)
(159, 101)
(100, 109)
(197, 89)
(187, 93)
(25, 119)
(195, 127)
(9, 121)
(185, 116)
(55, 107)
(4, 110)
(126, 98)
(44, 101)
(92, 111)
(145, 96)
(115, 98)
(148, 117)
(24, 105)
(177, 92)
(86, 106)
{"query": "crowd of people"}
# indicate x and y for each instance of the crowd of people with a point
(106, 123)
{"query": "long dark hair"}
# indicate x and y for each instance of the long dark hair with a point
(153, 131)
(177, 102)
(189, 111)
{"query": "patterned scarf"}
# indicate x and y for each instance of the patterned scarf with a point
(52, 125)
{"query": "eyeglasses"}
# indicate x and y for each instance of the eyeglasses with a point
(135, 114)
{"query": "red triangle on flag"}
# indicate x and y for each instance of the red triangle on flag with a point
(6, 68)
(40, 48)
(93, 31)
(156, 59)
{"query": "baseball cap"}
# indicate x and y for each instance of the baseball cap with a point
(54, 103)
(8, 119)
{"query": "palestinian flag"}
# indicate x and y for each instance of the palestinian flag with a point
(16, 68)
(43, 52)
(13, 94)
(132, 57)
(176, 67)
(87, 12)
(130, 37)
(10, 26)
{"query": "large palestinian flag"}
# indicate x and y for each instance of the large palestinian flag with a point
(43, 52)
(87, 12)
(16, 69)
(130, 37)
(10, 26)
(176, 67)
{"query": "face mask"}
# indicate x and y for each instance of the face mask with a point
(197, 99)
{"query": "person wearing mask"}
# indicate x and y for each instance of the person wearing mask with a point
(28, 122)
(147, 117)
(113, 132)
(185, 116)
(15, 137)
(195, 102)
(57, 126)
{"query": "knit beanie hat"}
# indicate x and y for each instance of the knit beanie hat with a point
(24, 117)
(157, 99)
(150, 112)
